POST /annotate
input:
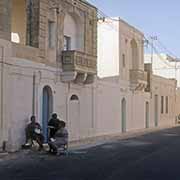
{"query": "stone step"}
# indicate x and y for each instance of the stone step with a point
(3, 154)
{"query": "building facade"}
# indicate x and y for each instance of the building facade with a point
(48, 63)
(164, 70)
(133, 98)
(121, 97)
(48, 52)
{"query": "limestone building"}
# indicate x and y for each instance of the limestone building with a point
(133, 98)
(48, 55)
(48, 63)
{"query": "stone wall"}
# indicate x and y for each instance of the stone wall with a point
(39, 12)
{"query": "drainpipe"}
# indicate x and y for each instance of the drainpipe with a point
(33, 94)
(93, 107)
(2, 88)
(67, 98)
(2, 99)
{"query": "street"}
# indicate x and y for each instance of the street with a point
(147, 157)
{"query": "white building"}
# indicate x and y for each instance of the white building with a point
(164, 66)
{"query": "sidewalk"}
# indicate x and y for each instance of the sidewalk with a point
(98, 140)
(92, 142)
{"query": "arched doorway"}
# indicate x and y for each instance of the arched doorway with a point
(123, 114)
(47, 109)
(134, 54)
(147, 114)
(74, 117)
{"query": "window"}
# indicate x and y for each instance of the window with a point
(74, 98)
(67, 43)
(162, 104)
(167, 105)
(51, 34)
(124, 60)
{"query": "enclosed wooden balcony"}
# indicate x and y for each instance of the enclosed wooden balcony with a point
(78, 66)
(138, 79)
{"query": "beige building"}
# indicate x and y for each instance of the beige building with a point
(165, 69)
(48, 63)
(121, 97)
(48, 52)
(163, 98)
(133, 98)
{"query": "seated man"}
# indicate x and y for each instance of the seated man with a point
(33, 132)
(61, 139)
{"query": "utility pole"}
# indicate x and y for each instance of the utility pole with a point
(153, 38)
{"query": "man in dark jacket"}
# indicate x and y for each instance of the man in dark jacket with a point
(54, 124)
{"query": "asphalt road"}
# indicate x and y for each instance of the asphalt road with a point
(148, 157)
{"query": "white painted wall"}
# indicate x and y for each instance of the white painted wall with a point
(110, 95)
(20, 102)
(108, 48)
(114, 40)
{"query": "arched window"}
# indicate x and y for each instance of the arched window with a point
(73, 33)
(74, 98)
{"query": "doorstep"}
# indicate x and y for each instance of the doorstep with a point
(3, 154)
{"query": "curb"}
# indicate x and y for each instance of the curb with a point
(98, 140)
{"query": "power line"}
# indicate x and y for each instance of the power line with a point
(166, 49)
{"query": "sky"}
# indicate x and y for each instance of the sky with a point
(159, 18)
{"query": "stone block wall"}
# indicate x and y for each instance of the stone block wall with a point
(38, 15)
(87, 14)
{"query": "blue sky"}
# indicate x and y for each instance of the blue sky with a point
(153, 17)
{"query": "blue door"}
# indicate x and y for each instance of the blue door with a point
(46, 110)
